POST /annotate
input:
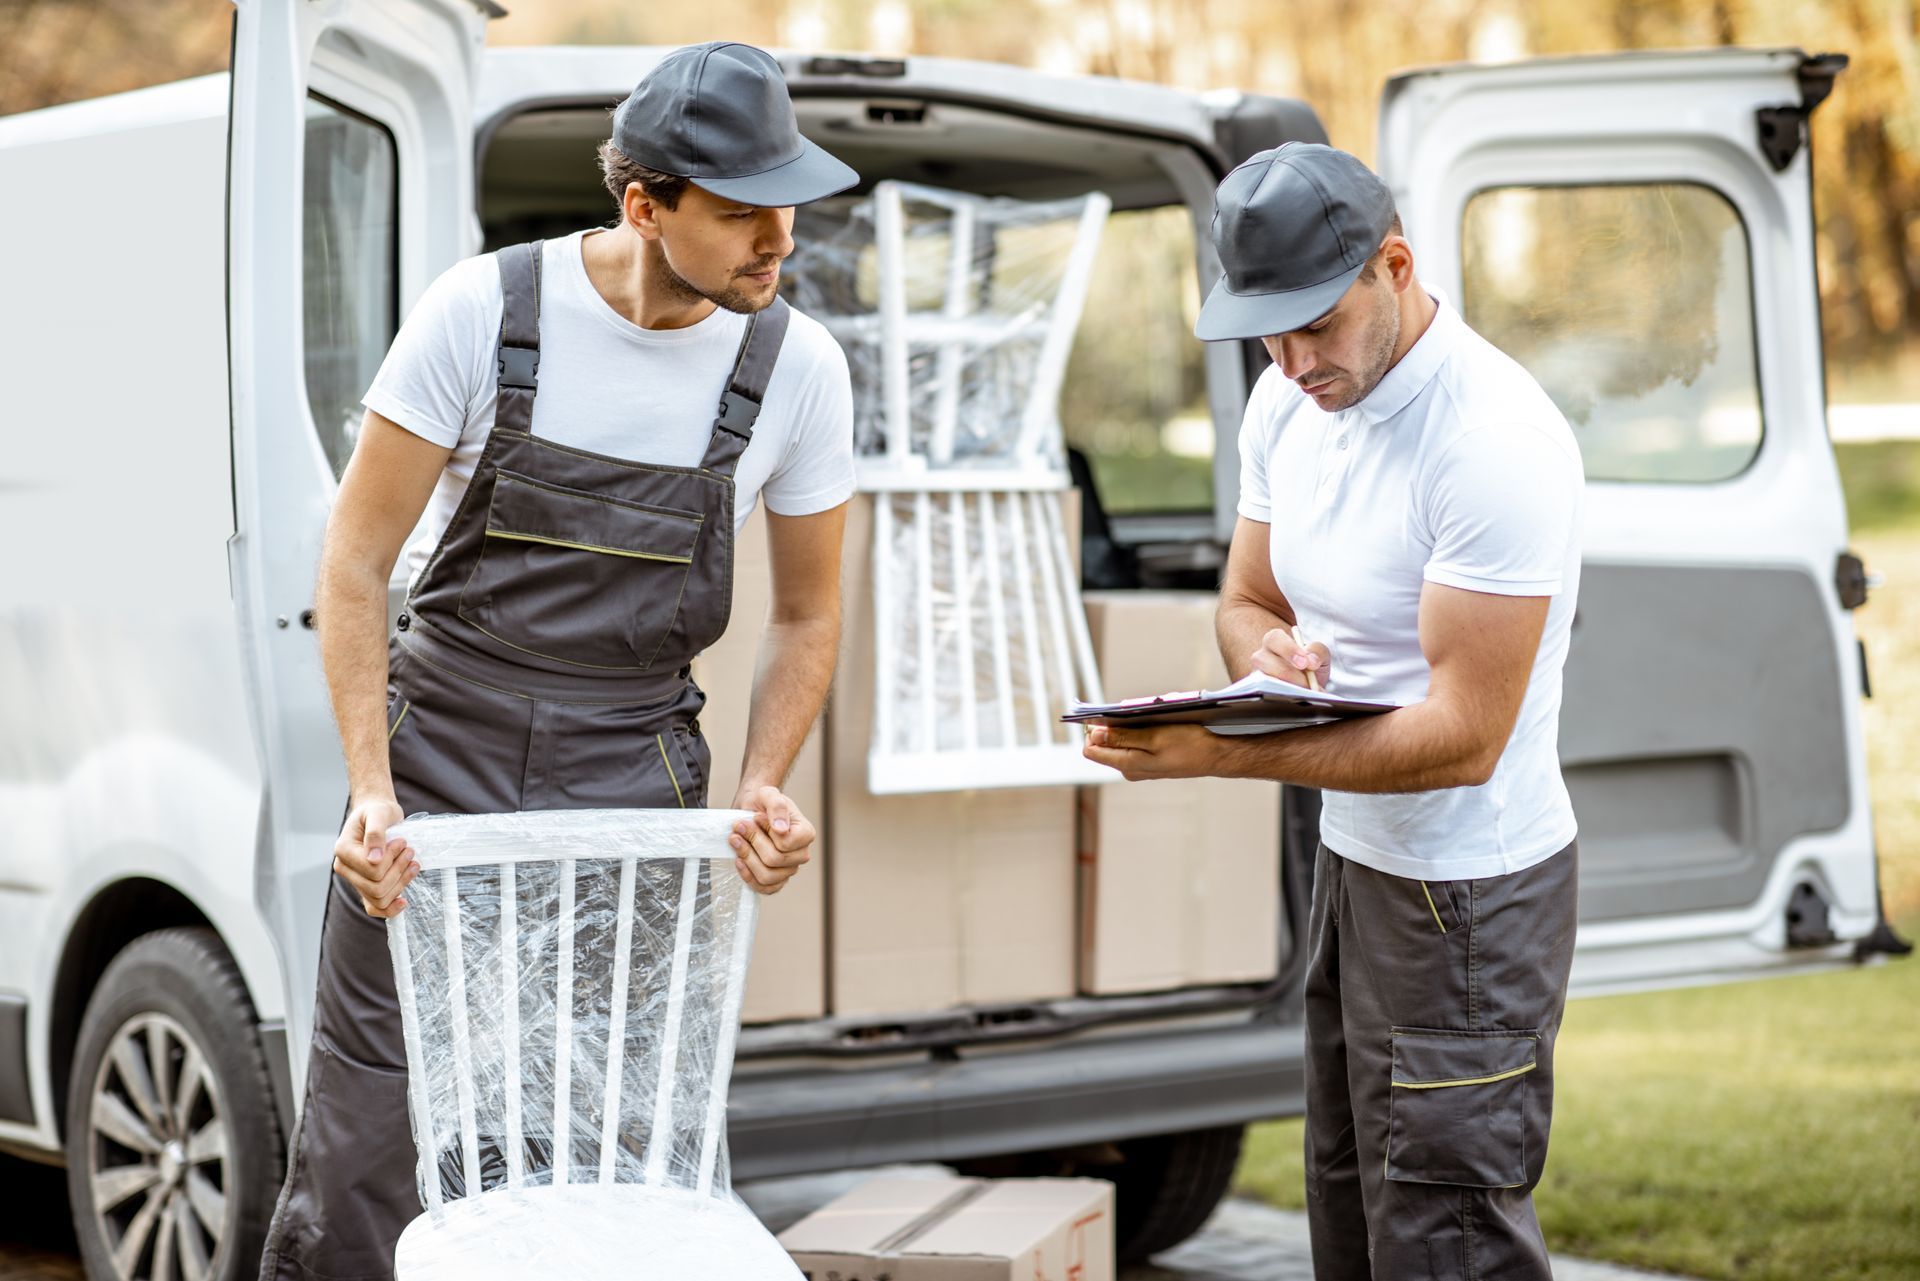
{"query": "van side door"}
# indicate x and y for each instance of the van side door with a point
(350, 189)
(1637, 230)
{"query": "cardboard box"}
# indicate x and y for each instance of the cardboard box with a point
(939, 899)
(1179, 878)
(787, 979)
(906, 1229)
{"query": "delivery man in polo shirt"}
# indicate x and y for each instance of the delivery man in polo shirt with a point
(586, 424)
(1410, 499)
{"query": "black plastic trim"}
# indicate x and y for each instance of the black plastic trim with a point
(951, 1107)
(273, 1045)
(16, 1082)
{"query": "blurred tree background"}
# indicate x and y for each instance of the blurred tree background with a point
(1867, 139)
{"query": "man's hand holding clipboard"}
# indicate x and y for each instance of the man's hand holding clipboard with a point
(1178, 735)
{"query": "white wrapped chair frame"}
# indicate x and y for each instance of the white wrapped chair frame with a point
(980, 633)
(570, 987)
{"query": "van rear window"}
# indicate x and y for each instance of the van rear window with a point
(350, 206)
(1633, 306)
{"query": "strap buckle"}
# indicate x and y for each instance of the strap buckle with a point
(738, 413)
(519, 367)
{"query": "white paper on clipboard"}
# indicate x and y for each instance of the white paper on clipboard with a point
(1255, 704)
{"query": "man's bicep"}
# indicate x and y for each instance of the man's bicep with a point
(1480, 649)
(386, 486)
(804, 555)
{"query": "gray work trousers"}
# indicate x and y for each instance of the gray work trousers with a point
(1431, 1011)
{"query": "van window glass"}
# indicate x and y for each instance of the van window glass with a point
(1135, 395)
(1633, 306)
(350, 206)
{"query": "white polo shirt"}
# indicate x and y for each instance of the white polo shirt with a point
(1457, 469)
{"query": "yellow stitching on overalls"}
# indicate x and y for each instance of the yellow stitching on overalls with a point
(626, 504)
(660, 742)
(1431, 908)
(1466, 1080)
(395, 727)
(587, 547)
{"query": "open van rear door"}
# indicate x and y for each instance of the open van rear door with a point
(1638, 231)
(350, 174)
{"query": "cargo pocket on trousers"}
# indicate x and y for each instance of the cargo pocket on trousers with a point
(1458, 1107)
(578, 577)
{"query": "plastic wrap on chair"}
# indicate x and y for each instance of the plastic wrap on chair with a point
(986, 639)
(974, 299)
(570, 987)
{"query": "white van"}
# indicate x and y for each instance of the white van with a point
(206, 274)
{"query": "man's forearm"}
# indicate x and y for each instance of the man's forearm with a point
(1421, 748)
(1239, 627)
(789, 688)
(350, 608)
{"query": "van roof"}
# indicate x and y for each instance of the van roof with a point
(200, 98)
(516, 79)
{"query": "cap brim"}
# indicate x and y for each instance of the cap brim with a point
(1230, 315)
(812, 175)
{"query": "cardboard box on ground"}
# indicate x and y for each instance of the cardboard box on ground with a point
(1179, 878)
(931, 1229)
(788, 977)
(945, 898)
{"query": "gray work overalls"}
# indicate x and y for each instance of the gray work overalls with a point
(541, 663)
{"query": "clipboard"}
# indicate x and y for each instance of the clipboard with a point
(1255, 704)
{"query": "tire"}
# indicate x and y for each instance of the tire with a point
(1167, 1187)
(174, 1152)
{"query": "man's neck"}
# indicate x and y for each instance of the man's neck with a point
(632, 275)
(1417, 310)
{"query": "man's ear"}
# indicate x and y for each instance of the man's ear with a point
(1396, 255)
(640, 212)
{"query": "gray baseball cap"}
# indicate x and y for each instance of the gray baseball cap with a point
(719, 115)
(1294, 227)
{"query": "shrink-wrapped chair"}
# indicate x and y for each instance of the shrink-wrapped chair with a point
(570, 986)
(958, 314)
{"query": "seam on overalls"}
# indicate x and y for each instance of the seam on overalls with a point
(517, 537)
(673, 619)
(660, 741)
(605, 500)
(1431, 908)
(529, 698)
(1463, 1080)
(1473, 954)
(698, 473)
(394, 728)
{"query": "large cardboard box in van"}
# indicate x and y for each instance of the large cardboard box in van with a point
(787, 979)
(944, 898)
(917, 1229)
(1179, 878)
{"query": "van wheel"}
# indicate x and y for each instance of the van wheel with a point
(1167, 1186)
(174, 1156)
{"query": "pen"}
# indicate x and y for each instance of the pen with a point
(1313, 681)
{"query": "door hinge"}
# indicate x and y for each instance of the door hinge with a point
(1783, 129)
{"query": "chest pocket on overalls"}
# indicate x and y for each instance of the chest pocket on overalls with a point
(579, 577)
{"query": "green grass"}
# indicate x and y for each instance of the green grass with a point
(1764, 1131)
(1882, 481)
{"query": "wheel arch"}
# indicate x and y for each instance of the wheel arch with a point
(118, 914)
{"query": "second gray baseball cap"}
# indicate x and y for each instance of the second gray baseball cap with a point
(718, 114)
(1294, 227)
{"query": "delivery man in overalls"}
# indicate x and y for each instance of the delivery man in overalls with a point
(586, 424)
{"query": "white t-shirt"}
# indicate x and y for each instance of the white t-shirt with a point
(1457, 469)
(607, 385)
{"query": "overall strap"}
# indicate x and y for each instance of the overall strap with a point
(747, 387)
(517, 357)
